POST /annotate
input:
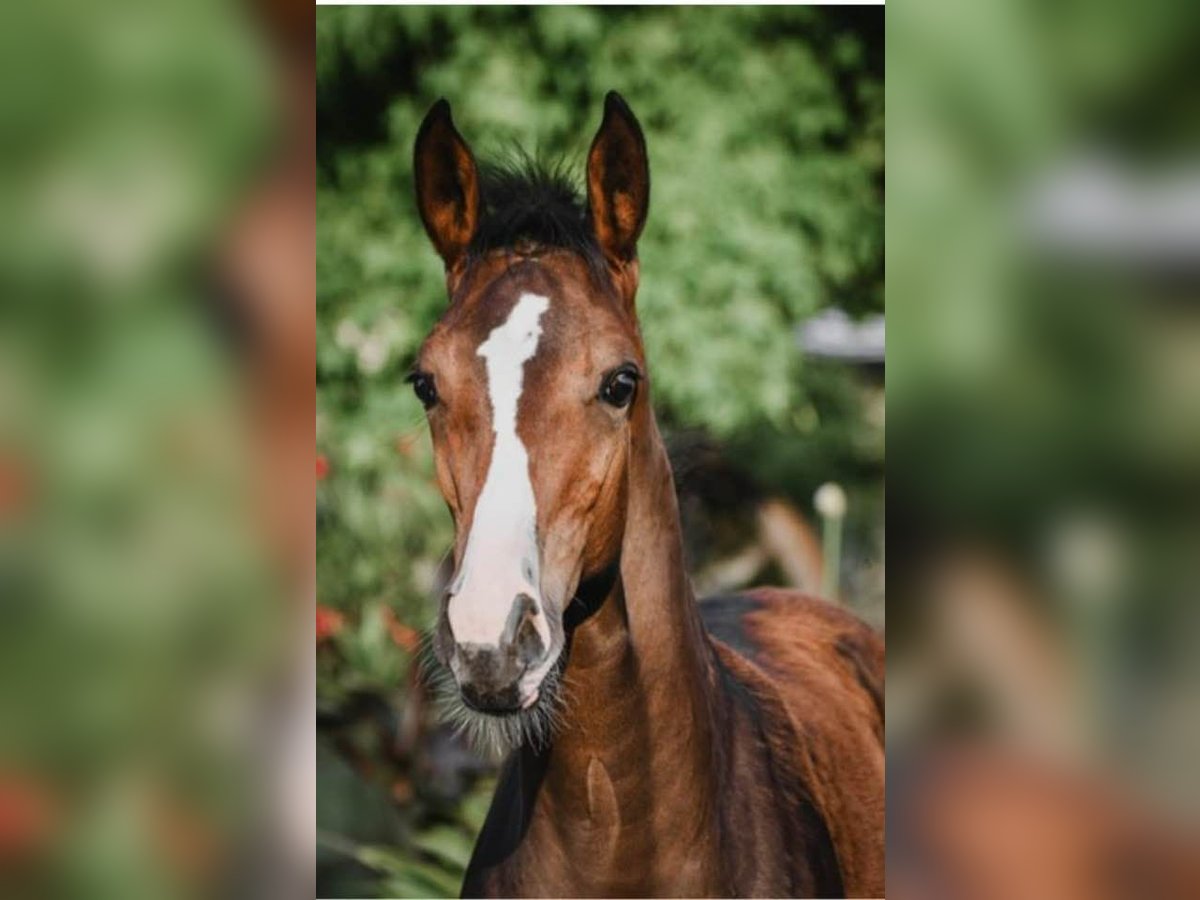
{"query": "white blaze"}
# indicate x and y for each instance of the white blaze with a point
(501, 558)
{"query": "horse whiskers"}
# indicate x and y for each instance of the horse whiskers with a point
(430, 671)
(497, 735)
(489, 734)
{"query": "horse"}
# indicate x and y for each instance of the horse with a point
(659, 746)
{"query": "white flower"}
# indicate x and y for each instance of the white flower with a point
(372, 355)
(348, 335)
(830, 500)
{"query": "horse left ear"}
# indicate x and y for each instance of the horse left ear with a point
(447, 184)
(618, 181)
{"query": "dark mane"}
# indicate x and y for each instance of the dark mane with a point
(524, 200)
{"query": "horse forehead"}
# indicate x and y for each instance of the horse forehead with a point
(499, 283)
(571, 328)
(514, 337)
(536, 324)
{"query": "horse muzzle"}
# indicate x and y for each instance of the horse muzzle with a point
(491, 675)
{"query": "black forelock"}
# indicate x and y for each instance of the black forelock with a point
(523, 200)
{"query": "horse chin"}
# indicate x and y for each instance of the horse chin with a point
(497, 734)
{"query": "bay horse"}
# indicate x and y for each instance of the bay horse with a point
(660, 746)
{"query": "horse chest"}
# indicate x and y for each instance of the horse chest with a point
(589, 839)
(603, 813)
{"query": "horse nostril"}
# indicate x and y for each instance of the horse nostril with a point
(523, 605)
(529, 644)
(521, 631)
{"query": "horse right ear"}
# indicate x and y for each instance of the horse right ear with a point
(447, 183)
(618, 181)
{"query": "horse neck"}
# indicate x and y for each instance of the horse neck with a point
(661, 622)
(634, 761)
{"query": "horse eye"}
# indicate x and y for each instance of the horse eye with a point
(424, 388)
(618, 387)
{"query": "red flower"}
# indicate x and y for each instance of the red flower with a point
(322, 467)
(14, 487)
(27, 817)
(329, 622)
(403, 636)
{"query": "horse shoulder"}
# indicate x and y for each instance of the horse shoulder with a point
(809, 648)
(825, 668)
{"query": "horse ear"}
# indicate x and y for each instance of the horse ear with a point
(618, 181)
(447, 184)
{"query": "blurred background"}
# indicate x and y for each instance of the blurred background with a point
(1043, 449)
(761, 305)
(156, 447)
